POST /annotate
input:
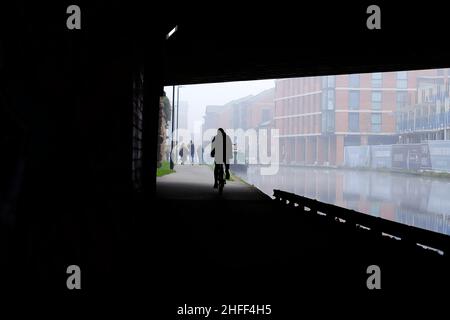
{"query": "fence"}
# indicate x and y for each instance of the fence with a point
(409, 235)
(431, 155)
(440, 155)
(357, 156)
(381, 156)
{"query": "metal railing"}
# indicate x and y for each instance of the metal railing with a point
(409, 235)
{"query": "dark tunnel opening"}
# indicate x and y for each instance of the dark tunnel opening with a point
(80, 123)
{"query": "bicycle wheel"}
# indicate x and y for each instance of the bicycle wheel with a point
(221, 180)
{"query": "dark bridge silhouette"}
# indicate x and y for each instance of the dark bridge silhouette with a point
(79, 123)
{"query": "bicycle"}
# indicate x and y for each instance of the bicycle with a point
(220, 177)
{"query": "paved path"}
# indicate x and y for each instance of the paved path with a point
(241, 244)
(196, 183)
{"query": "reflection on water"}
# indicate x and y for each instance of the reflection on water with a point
(423, 202)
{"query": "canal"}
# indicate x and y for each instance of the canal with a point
(415, 200)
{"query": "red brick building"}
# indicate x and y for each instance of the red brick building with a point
(318, 116)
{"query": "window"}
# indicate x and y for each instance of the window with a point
(353, 80)
(376, 100)
(398, 122)
(331, 122)
(353, 100)
(402, 84)
(376, 122)
(323, 122)
(324, 96)
(377, 80)
(331, 81)
(411, 120)
(327, 121)
(402, 75)
(265, 116)
(353, 121)
(402, 99)
(327, 100)
(402, 80)
(328, 81)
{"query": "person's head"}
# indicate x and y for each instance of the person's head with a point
(191, 141)
(220, 130)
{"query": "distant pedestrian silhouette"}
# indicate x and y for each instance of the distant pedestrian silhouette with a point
(183, 153)
(221, 151)
(192, 147)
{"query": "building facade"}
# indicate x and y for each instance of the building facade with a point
(429, 117)
(318, 116)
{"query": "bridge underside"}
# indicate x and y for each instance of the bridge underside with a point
(73, 195)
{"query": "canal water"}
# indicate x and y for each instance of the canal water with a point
(410, 199)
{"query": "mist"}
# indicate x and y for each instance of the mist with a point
(198, 96)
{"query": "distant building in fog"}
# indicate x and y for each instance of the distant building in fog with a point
(318, 116)
(211, 117)
(250, 112)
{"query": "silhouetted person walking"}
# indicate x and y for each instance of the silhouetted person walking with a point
(221, 151)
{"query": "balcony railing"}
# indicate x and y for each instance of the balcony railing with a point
(432, 122)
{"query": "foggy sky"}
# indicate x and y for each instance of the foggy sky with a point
(199, 96)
